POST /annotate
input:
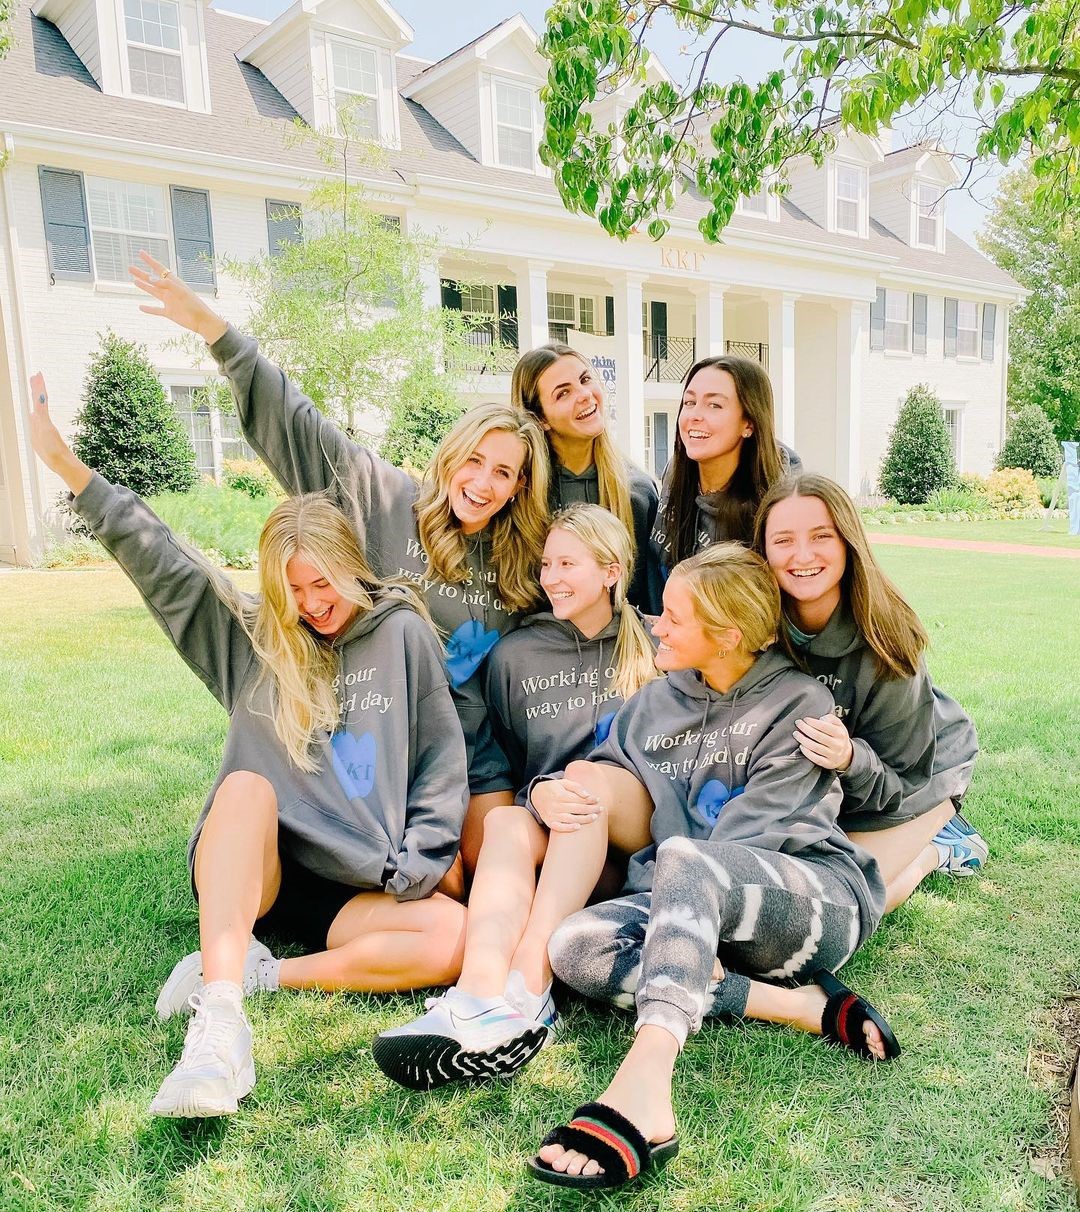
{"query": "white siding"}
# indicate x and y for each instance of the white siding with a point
(456, 104)
(79, 25)
(808, 192)
(289, 70)
(890, 205)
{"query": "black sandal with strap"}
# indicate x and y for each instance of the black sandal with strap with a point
(609, 1139)
(845, 1014)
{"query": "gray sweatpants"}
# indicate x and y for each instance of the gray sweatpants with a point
(761, 913)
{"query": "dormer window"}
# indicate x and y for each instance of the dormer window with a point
(928, 202)
(849, 198)
(755, 204)
(356, 86)
(515, 135)
(155, 65)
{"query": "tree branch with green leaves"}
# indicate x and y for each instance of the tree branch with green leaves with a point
(848, 65)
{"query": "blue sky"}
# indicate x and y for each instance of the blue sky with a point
(441, 28)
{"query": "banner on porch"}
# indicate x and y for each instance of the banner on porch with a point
(601, 353)
(1072, 484)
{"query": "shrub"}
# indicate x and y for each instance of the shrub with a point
(223, 523)
(251, 476)
(1047, 487)
(1012, 491)
(919, 459)
(1031, 443)
(127, 429)
(958, 499)
(415, 427)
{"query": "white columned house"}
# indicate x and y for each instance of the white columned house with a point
(177, 134)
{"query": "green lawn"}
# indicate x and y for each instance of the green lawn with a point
(107, 745)
(993, 530)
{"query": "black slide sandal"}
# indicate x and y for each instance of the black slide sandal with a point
(844, 1015)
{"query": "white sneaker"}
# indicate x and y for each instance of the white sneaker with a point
(215, 1069)
(540, 1008)
(459, 1038)
(187, 978)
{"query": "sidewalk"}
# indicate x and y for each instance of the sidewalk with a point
(911, 540)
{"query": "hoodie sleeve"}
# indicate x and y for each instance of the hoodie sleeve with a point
(499, 760)
(305, 451)
(893, 746)
(787, 804)
(179, 594)
(438, 778)
(647, 587)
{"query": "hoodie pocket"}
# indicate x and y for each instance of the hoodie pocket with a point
(338, 847)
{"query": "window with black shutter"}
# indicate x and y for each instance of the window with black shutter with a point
(193, 236)
(67, 229)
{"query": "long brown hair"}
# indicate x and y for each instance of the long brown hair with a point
(758, 469)
(888, 624)
(612, 475)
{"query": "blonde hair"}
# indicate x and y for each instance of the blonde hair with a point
(300, 666)
(612, 472)
(608, 542)
(732, 586)
(517, 530)
(889, 625)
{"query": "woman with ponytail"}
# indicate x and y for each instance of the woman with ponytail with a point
(553, 688)
(560, 387)
(339, 802)
(903, 750)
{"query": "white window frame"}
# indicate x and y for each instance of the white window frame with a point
(859, 200)
(498, 123)
(150, 48)
(756, 205)
(217, 438)
(557, 299)
(338, 91)
(956, 429)
(928, 212)
(974, 330)
(586, 314)
(894, 297)
(138, 238)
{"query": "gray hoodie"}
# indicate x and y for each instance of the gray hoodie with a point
(568, 488)
(549, 696)
(719, 518)
(308, 453)
(726, 767)
(914, 747)
(385, 808)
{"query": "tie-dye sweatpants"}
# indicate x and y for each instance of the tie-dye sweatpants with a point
(761, 913)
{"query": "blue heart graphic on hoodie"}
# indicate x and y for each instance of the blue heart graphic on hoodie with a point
(712, 797)
(603, 727)
(466, 648)
(354, 763)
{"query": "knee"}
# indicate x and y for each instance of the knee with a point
(244, 791)
(502, 821)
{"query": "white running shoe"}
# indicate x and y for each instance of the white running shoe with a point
(215, 1069)
(539, 1007)
(459, 1038)
(187, 978)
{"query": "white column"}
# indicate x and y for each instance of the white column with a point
(531, 280)
(852, 319)
(431, 281)
(782, 363)
(709, 327)
(629, 367)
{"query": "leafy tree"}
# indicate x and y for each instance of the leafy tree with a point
(1031, 444)
(127, 429)
(919, 459)
(854, 65)
(7, 11)
(343, 312)
(1042, 252)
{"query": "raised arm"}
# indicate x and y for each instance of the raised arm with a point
(305, 451)
(179, 592)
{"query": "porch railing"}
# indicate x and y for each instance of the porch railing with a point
(667, 359)
(492, 347)
(749, 349)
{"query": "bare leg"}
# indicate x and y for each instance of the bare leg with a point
(237, 872)
(501, 898)
(904, 852)
(640, 1090)
(380, 945)
(472, 832)
(802, 1009)
(575, 861)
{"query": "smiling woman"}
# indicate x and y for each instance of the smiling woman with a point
(338, 805)
(469, 535)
